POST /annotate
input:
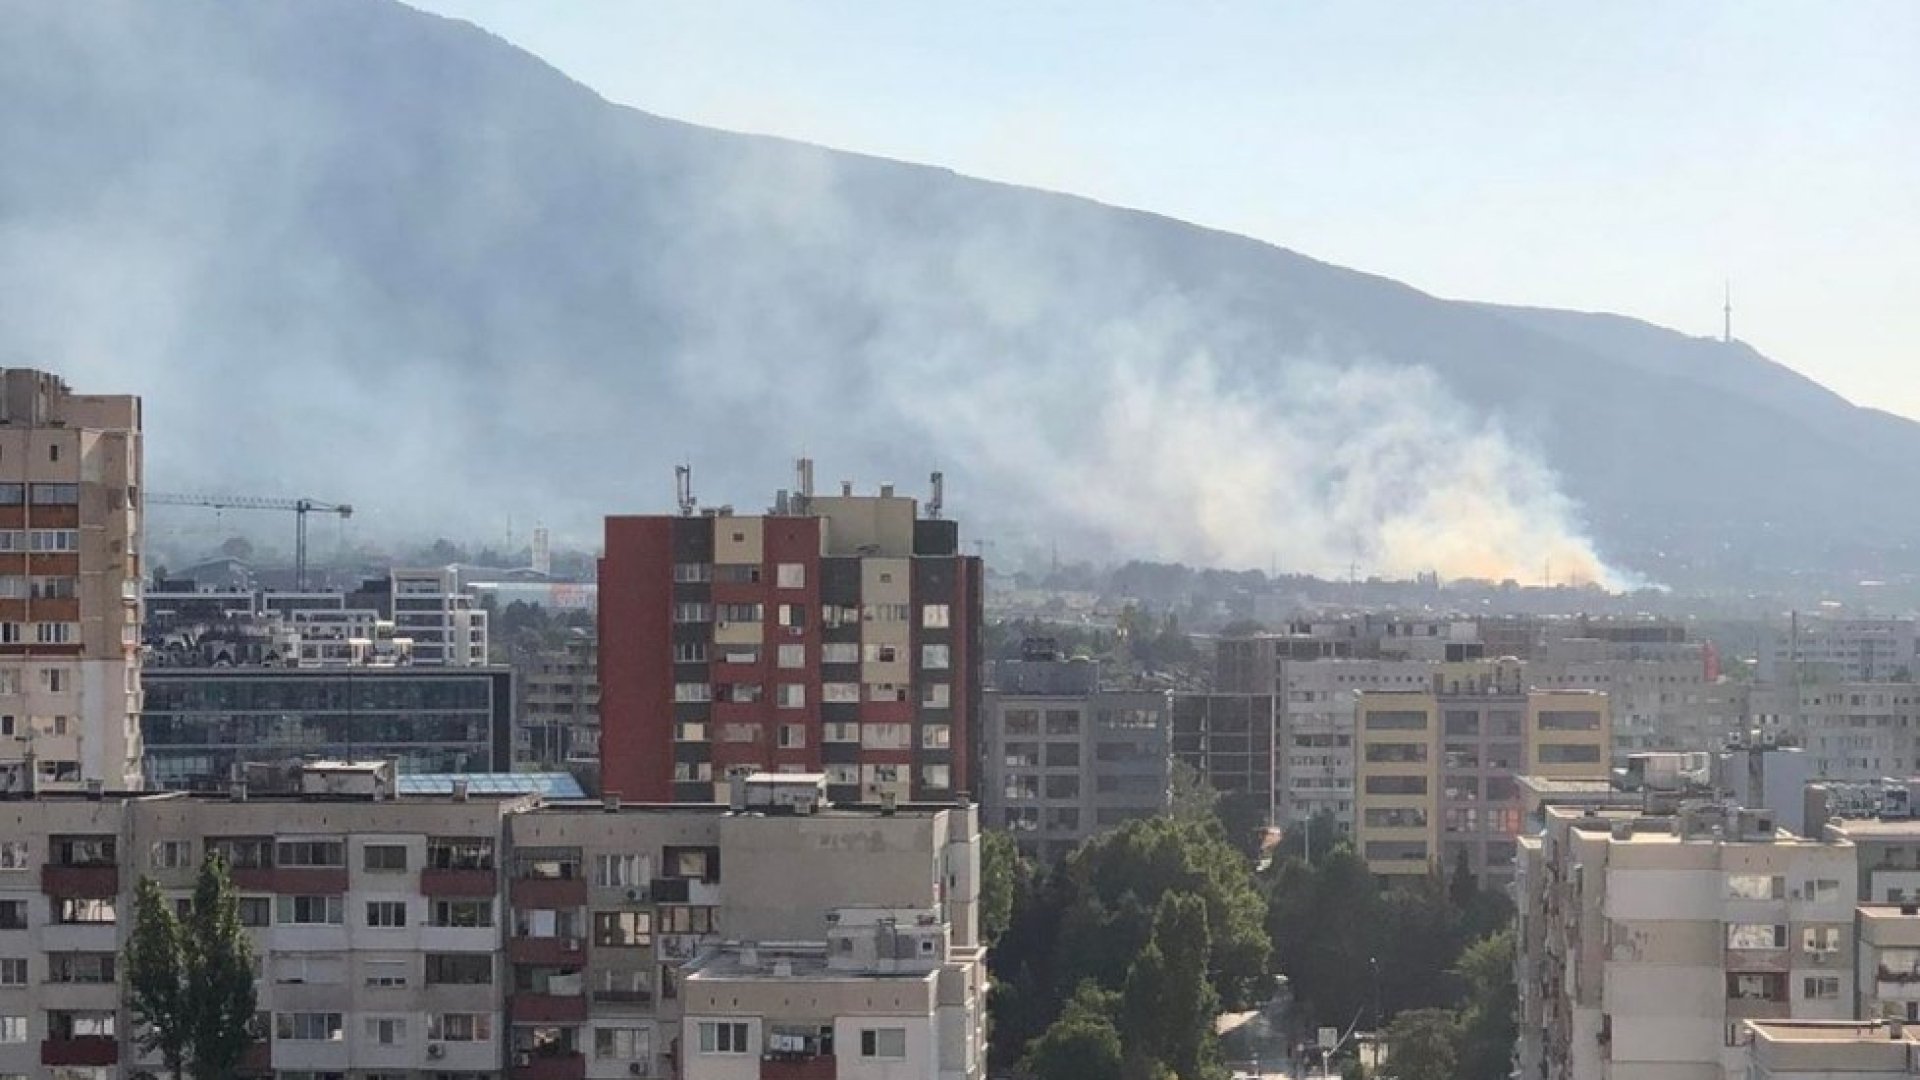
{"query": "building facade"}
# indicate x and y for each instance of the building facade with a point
(559, 707)
(460, 938)
(836, 634)
(200, 723)
(445, 625)
(1061, 766)
(1230, 740)
(70, 483)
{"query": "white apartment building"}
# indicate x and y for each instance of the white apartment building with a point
(458, 937)
(1853, 731)
(70, 478)
(445, 625)
(1832, 1050)
(1645, 943)
(1317, 749)
(1842, 650)
(1662, 700)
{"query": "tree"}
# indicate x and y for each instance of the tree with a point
(1461, 887)
(1488, 1025)
(1168, 1007)
(1004, 874)
(219, 975)
(155, 969)
(1422, 1045)
(1082, 1045)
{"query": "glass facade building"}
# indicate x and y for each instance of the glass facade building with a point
(199, 722)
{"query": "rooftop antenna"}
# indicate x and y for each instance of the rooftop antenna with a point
(939, 496)
(803, 482)
(683, 488)
(1726, 312)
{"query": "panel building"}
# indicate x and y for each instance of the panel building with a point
(70, 480)
(1230, 740)
(835, 634)
(461, 937)
(559, 718)
(1062, 759)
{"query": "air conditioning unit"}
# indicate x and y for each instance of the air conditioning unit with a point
(573, 944)
(636, 1069)
(523, 1059)
(435, 1050)
(637, 895)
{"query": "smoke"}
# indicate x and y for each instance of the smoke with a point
(374, 257)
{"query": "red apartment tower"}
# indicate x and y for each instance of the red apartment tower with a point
(834, 634)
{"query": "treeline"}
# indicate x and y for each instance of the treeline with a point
(1118, 961)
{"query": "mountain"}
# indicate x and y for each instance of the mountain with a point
(351, 250)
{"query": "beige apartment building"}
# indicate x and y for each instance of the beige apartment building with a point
(1436, 770)
(70, 479)
(1832, 1050)
(1646, 943)
(456, 937)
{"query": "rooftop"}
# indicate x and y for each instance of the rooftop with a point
(555, 786)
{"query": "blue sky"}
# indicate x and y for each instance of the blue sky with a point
(1626, 156)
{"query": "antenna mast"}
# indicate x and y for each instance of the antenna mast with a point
(1726, 325)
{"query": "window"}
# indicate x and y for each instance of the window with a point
(1756, 936)
(935, 616)
(680, 919)
(311, 968)
(737, 573)
(462, 914)
(840, 652)
(13, 1029)
(59, 587)
(793, 736)
(1396, 753)
(1821, 987)
(1565, 720)
(13, 971)
(386, 914)
(1396, 785)
(691, 612)
(73, 910)
(384, 974)
(935, 657)
(840, 733)
(728, 1037)
(694, 864)
(935, 736)
(54, 540)
(1564, 754)
(692, 692)
(791, 695)
(255, 911)
(621, 871)
(1396, 721)
(622, 1043)
(1823, 890)
(622, 929)
(459, 969)
(310, 853)
(171, 854)
(941, 776)
(840, 693)
(692, 573)
(936, 695)
(689, 652)
(1820, 939)
(384, 858)
(886, 736)
(81, 967)
(51, 678)
(791, 656)
(740, 613)
(308, 1026)
(790, 575)
(792, 616)
(1756, 887)
(13, 494)
(13, 914)
(883, 1042)
(308, 911)
(14, 855)
(10, 634)
(690, 731)
(460, 1027)
(386, 1030)
(882, 654)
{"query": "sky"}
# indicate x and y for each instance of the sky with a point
(1631, 156)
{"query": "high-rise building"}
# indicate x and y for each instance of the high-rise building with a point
(833, 634)
(1231, 741)
(445, 625)
(559, 717)
(70, 481)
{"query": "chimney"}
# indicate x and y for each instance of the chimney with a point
(737, 791)
(460, 790)
(610, 802)
(846, 489)
(96, 790)
(886, 491)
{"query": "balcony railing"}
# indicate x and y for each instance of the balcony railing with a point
(534, 1008)
(85, 882)
(458, 883)
(80, 1050)
(547, 951)
(558, 1065)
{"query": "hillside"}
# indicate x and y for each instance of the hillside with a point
(351, 250)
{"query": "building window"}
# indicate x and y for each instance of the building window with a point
(791, 656)
(308, 1026)
(308, 911)
(728, 1037)
(840, 693)
(793, 736)
(840, 652)
(691, 612)
(459, 969)
(935, 657)
(621, 871)
(883, 1042)
(460, 1027)
(886, 736)
(325, 853)
(740, 613)
(692, 573)
(54, 540)
(623, 1044)
(791, 696)
(935, 616)
(73, 910)
(681, 919)
(384, 858)
(1756, 936)
(386, 914)
(936, 695)
(790, 575)
(1823, 890)
(940, 777)
(13, 971)
(840, 732)
(386, 1030)
(882, 654)
(1822, 987)
(692, 692)
(935, 736)
(13, 1029)
(13, 914)
(15, 854)
(622, 929)
(462, 914)
(53, 680)
(171, 854)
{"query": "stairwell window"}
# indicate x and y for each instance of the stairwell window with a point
(718, 1037)
(883, 1043)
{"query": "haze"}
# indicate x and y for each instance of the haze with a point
(1627, 157)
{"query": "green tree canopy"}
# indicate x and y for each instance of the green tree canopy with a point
(154, 966)
(191, 983)
(1489, 1023)
(1422, 1045)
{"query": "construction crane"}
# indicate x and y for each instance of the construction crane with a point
(300, 507)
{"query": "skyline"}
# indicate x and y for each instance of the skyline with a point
(1553, 140)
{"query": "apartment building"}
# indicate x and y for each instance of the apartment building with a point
(1853, 731)
(834, 634)
(559, 708)
(1645, 943)
(1318, 735)
(70, 482)
(1842, 650)
(200, 723)
(1062, 765)
(444, 623)
(1437, 769)
(1230, 740)
(1664, 696)
(459, 937)
(1832, 1050)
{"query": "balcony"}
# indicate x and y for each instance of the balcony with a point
(458, 883)
(797, 1067)
(84, 882)
(547, 951)
(80, 1050)
(531, 1008)
(292, 880)
(624, 1000)
(546, 892)
(554, 1066)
